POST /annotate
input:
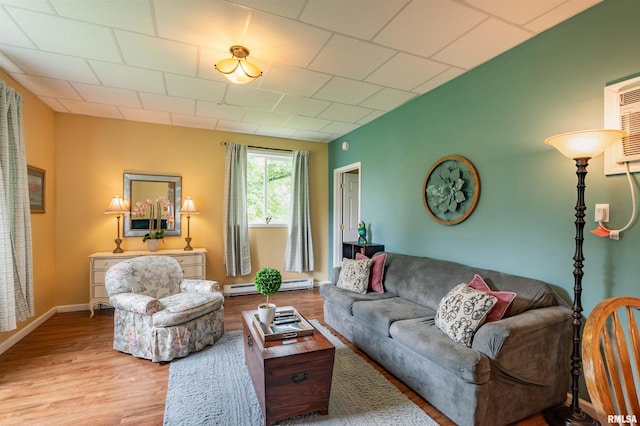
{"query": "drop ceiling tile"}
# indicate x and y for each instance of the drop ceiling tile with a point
(168, 103)
(60, 35)
(37, 5)
(388, 99)
(297, 81)
(412, 69)
(348, 57)
(192, 87)
(340, 128)
(53, 104)
(267, 118)
(107, 95)
(11, 34)
(484, 42)
(307, 123)
(439, 80)
(124, 14)
(287, 8)
(159, 54)
(221, 111)
(90, 108)
(346, 91)
(8, 66)
(236, 127)
(278, 132)
(126, 77)
(51, 65)
(300, 105)
(146, 116)
(425, 27)
(559, 14)
(283, 40)
(342, 112)
(193, 121)
(250, 97)
(41, 86)
(371, 116)
(519, 12)
(212, 24)
(306, 135)
(357, 18)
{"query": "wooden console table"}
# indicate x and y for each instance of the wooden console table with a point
(350, 248)
(193, 266)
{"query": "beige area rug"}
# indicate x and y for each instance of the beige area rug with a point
(213, 387)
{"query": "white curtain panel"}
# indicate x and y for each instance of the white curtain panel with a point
(298, 256)
(16, 268)
(237, 258)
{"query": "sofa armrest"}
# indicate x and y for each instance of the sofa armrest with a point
(137, 303)
(518, 346)
(199, 286)
(336, 275)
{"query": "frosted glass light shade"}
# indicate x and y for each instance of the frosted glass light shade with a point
(189, 207)
(585, 143)
(118, 206)
(237, 69)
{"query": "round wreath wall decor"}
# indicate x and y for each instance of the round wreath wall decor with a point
(451, 190)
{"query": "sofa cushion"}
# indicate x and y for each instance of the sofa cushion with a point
(345, 298)
(182, 307)
(380, 314)
(377, 271)
(423, 337)
(354, 275)
(462, 311)
(505, 298)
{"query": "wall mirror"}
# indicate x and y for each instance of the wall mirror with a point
(152, 197)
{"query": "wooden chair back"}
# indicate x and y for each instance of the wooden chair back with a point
(611, 359)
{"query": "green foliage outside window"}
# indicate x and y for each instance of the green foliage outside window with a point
(268, 188)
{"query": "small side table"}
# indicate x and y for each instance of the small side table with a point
(350, 248)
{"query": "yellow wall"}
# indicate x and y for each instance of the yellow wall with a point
(93, 153)
(39, 134)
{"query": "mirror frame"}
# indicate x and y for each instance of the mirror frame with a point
(129, 178)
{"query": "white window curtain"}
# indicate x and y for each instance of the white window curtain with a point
(298, 255)
(16, 268)
(237, 258)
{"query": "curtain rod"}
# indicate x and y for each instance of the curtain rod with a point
(223, 143)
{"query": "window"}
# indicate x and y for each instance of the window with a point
(268, 187)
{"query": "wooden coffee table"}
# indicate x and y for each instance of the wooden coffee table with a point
(292, 376)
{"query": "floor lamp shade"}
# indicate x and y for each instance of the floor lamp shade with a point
(584, 144)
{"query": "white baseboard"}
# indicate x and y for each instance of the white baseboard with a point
(15, 338)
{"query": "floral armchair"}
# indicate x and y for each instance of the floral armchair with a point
(158, 314)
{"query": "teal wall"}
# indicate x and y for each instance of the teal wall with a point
(498, 116)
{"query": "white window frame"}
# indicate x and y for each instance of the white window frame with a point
(256, 152)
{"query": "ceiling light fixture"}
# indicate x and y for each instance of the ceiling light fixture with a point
(237, 69)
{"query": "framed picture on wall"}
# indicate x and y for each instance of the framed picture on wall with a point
(35, 178)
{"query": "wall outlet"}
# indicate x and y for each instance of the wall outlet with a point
(602, 213)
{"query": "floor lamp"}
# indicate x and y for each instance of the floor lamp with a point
(188, 208)
(579, 146)
(119, 206)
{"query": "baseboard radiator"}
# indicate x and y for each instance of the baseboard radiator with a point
(250, 288)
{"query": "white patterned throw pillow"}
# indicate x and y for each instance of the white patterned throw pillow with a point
(462, 311)
(354, 275)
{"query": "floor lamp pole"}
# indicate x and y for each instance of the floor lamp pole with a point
(572, 415)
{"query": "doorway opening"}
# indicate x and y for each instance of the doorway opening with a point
(346, 207)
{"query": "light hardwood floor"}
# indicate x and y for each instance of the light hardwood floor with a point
(66, 373)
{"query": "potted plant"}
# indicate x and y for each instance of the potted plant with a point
(267, 282)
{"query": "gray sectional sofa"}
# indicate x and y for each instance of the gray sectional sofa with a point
(515, 367)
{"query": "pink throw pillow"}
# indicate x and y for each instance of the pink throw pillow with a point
(377, 271)
(505, 298)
